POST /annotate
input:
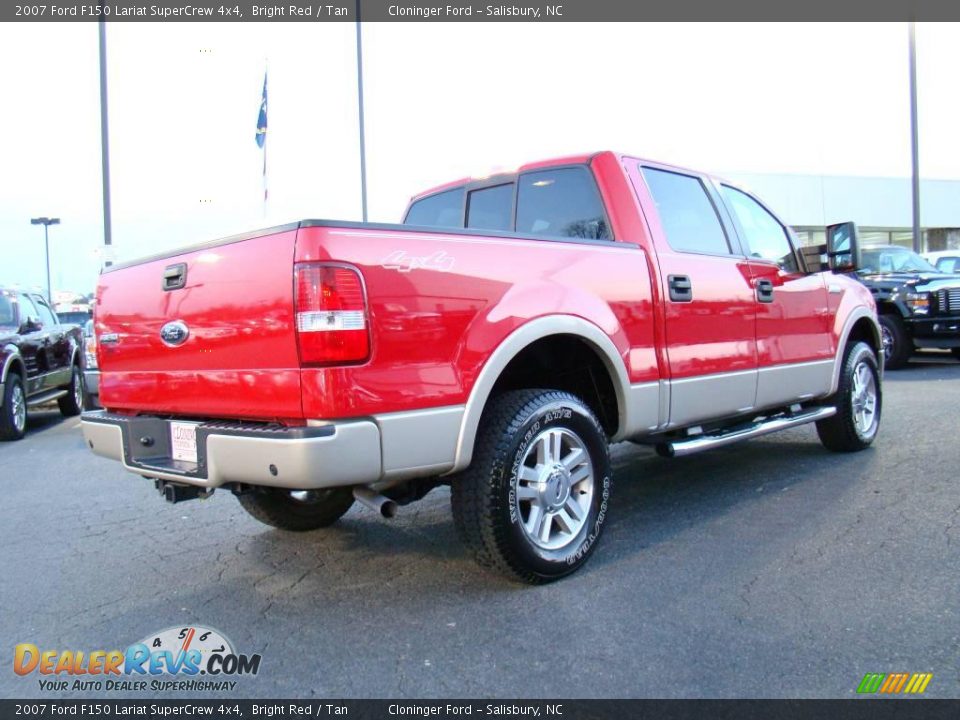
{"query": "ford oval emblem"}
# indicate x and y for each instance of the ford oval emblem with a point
(174, 333)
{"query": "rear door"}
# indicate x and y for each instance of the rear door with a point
(56, 344)
(706, 287)
(795, 347)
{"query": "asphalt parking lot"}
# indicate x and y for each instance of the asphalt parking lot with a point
(766, 569)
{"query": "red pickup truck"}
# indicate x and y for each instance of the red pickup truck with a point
(497, 341)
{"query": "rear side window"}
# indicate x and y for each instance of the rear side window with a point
(687, 214)
(491, 208)
(563, 203)
(444, 209)
(766, 238)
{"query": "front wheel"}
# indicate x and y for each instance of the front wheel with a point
(858, 402)
(13, 412)
(534, 500)
(297, 510)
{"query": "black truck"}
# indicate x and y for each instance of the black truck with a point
(41, 361)
(919, 306)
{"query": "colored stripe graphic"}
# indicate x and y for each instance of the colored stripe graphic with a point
(894, 683)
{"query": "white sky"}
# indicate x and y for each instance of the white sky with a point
(442, 101)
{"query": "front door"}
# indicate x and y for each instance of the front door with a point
(31, 345)
(795, 350)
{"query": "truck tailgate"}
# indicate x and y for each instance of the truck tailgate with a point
(239, 357)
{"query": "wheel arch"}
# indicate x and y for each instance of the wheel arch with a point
(13, 363)
(861, 325)
(521, 343)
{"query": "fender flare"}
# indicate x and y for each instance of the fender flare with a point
(12, 358)
(855, 316)
(512, 345)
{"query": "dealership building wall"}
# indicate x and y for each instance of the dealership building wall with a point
(881, 207)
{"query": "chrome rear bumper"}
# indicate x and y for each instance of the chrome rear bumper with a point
(301, 458)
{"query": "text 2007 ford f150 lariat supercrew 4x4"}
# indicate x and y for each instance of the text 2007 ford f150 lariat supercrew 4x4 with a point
(496, 342)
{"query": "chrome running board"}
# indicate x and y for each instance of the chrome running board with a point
(719, 438)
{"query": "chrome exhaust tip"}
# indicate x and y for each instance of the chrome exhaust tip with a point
(375, 501)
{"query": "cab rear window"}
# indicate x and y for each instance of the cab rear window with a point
(445, 209)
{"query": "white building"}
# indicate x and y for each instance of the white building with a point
(881, 207)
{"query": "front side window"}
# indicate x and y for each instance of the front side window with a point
(687, 214)
(491, 208)
(46, 315)
(28, 311)
(445, 209)
(764, 236)
(563, 202)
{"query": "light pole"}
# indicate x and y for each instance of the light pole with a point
(914, 138)
(46, 222)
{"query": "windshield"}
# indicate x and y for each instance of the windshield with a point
(893, 259)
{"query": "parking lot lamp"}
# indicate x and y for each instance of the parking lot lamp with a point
(46, 222)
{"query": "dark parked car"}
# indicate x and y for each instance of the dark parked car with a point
(40, 361)
(919, 305)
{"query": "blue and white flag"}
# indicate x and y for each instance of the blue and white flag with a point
(262, 137)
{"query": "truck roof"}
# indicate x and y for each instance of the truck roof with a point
(578, 159)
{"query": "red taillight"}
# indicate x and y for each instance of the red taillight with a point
(331, 315)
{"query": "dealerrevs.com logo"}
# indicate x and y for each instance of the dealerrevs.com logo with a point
(191, 658)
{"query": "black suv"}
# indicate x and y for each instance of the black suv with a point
(919, 306)
(40, 361)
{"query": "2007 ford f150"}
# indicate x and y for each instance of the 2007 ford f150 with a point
(496, 342)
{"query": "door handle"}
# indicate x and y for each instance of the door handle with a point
(681, 289)
(175, 276)
(765, 291)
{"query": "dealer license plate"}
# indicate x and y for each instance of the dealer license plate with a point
(183, 441)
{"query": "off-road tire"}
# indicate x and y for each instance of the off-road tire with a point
(484, 497)
(72, 403)
(841, 433)
(898, 354)
(12, 428)
(278, 508)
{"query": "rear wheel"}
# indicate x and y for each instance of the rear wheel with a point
(897, 346)
(858, 402)
(13, 413)
(534, 500)
(297, 510)
(72, 403)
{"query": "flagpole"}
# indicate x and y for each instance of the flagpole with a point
(266, 69)
(363, 146)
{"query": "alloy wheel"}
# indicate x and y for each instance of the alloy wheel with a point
(554, 488)
(863, 399)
